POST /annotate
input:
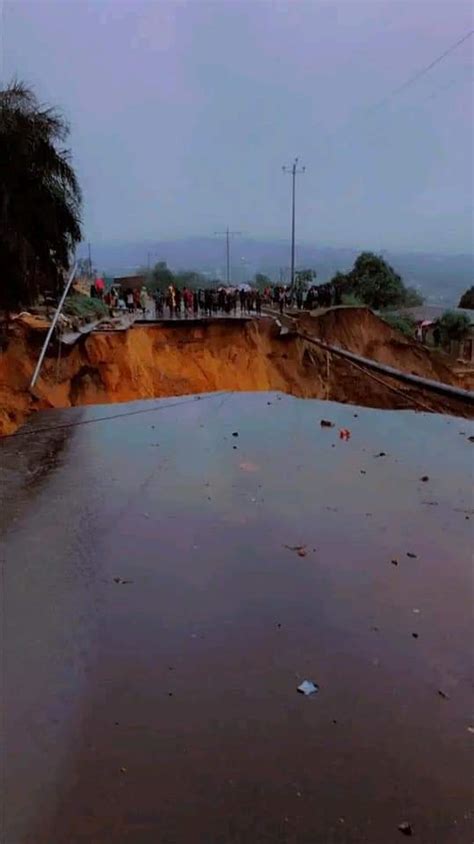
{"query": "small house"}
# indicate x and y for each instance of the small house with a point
(426, 318)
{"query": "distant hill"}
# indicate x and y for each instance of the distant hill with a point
(441, 278)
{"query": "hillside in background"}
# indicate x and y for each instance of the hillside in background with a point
(440, 278)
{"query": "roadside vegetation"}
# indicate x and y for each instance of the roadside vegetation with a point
(40, 198)
(160, 276)
(453, 326)
(85, 307)
(373, 282)
(467, 299)
(402, 323)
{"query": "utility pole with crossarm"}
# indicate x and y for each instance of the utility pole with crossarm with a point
(227, 234)
(293, 171)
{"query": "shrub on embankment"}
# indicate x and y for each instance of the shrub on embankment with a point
(85, 307)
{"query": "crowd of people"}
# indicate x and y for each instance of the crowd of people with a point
(317, 296)
(206, 302)
(176, 303)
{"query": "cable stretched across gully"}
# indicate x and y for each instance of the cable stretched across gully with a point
(28, 432)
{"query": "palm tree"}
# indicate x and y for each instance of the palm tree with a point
(40, 198)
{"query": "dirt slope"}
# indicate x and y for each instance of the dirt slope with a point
(147, 362)
(158, 361)
(362, 332)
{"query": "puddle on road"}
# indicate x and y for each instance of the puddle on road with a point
(186, 679)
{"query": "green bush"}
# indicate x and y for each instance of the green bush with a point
(84, 307)
(402, 323)
(352, 299)
(454, 326)
(375, 283)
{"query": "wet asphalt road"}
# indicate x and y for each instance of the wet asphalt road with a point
(164, 710)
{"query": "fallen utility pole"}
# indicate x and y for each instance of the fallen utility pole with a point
(52, 327)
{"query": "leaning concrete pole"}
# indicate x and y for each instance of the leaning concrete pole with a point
(52, 327)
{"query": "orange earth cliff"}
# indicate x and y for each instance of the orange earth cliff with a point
(150, 361)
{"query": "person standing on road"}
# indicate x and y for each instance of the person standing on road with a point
(188, 301)
(281, 299)
(171, 301)
(178, 299)
(208, 302)
(136, 299)
(158, 297)
(202, 300)
(144, 300)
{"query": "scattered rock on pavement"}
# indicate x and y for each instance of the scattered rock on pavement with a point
(307, 687)
(249, 467)
(300, 549)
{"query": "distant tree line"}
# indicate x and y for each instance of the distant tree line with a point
(161, 276)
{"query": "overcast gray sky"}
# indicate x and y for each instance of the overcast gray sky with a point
(183, 113)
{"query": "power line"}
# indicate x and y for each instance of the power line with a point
(369, 110)
(421, 72)
(26, 432)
